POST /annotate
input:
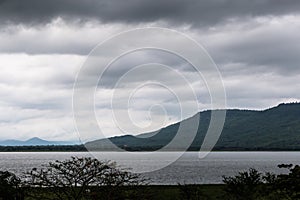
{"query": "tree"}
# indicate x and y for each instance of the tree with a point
(9, 186)
(244, 186)
(74, 178)
(121, 184)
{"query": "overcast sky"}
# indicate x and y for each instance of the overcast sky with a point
(43, 44)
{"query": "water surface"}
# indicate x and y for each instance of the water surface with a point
(188, 169)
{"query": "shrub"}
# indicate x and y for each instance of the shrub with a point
(244, 186)
(9, 186)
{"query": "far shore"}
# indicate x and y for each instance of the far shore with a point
(82, 148)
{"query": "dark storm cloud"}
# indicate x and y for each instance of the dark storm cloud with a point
(272, 46)
(194, 12)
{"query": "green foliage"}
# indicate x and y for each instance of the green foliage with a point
(253, 185)
(288, 185)
(245, 185)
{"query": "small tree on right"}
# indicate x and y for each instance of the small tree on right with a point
(288, 185)
(252, 185)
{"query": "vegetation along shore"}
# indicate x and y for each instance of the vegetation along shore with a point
(80, 178)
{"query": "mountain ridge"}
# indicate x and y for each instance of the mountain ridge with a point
(273, 128)
(35, 141)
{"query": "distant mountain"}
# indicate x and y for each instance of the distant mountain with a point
(33, 142)
(276, 128)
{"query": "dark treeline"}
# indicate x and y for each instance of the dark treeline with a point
(82, 148)
(68, 148)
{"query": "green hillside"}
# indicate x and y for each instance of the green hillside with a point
(277, 128)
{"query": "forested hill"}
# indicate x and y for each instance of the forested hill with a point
(276, 128)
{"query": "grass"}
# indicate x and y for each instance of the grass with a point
(182, 192)
(155, 192)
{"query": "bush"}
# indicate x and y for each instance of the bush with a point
(244, 186)
(9, 186)
(287, 186)
(253, 185)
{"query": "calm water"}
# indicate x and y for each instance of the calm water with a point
(188, 169)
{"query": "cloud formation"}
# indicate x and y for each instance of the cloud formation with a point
(194, 12)
(43, 44)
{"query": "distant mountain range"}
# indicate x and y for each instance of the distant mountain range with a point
(33, 142)
(276, 128)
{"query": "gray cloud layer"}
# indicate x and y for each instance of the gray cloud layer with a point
(43, 44)
(194, 12)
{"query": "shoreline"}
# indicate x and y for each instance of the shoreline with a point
(28, 149)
